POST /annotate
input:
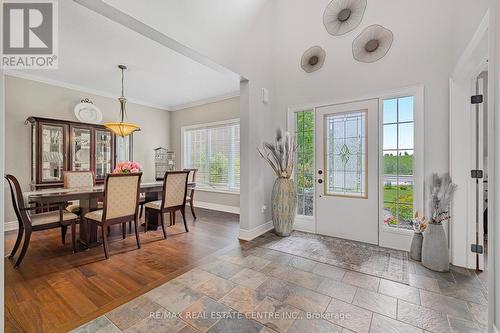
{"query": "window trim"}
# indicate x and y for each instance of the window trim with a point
(418, 153)
(303, 222)
(233, 121)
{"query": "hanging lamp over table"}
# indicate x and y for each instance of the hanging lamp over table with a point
(122, 128)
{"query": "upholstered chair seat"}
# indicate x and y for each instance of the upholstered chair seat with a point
(51, 217)
(153, 204)
(96, 215)
(73, 207)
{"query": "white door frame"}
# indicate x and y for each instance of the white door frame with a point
(391, 237)
(303, 222)
(388, 237)
(462, 86)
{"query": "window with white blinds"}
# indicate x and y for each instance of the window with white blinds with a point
(214, 149)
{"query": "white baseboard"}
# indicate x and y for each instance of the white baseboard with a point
(13, 225)
(248, 235)
(495, 329)
(9, 226)
(304, 223)
(217, 207)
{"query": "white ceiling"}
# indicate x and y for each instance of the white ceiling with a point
(91, 47)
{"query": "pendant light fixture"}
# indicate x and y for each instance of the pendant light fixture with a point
(122, 128)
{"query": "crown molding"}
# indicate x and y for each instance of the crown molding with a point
(205, 101)
(80, 88)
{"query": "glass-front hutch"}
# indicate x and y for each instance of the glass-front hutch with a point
(59, 145)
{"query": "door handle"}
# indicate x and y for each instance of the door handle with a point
(320, 181)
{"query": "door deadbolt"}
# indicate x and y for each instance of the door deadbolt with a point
(320, 172)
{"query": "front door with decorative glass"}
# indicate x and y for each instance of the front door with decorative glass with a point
(347, 176)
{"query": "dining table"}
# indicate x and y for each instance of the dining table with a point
(88, 198)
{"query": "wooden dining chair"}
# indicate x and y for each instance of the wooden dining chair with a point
(76, 180)
(190, 196)
(121, 198)
(173, 199)
(29, 223)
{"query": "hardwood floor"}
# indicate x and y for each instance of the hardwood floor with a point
(56, 291)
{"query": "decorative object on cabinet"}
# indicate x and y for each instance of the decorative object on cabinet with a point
(87, 112)
(372, 44)
(59, 145)
(122, 128)
(313, 59)
(342, 16)
(164, 161)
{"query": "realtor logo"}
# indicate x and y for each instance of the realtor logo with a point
(29, 34)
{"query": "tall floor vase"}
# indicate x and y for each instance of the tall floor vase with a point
(284, 201)
(435, 254)
(416, 247)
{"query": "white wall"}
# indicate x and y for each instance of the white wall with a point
(207, 113)
(24, 98)
(421, 53)
(466, 15)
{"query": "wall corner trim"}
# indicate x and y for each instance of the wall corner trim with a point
(11, 225)
(248, 235)
(217, 207)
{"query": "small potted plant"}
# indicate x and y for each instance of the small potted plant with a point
(281, 157)
(127, 167)
(419, 224)
(435, 254)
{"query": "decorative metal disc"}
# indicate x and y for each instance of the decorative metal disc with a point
(372, 44)
(313, 59)
(342, 16)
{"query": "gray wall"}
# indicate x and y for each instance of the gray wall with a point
(212, 112)
(24, 98)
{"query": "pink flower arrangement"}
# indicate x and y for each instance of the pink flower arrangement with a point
(127, 167)
(391, 220)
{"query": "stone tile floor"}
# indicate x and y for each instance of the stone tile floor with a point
(256, 289)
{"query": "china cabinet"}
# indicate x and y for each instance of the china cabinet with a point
(59, 145)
